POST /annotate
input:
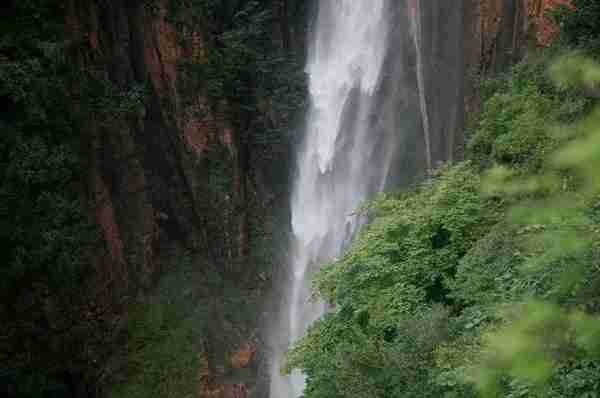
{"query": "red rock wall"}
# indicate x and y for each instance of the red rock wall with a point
(141, 164)
(545, 29)
(148, 169)
(499, 32)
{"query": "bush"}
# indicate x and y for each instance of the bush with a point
(579, 26)
(162, 341)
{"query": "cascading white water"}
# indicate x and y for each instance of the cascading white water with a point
(340, 162)
(417, 35)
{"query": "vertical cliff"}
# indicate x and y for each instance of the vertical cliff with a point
(438, 52)
(497, 33)
(199, 157)
(155, 171)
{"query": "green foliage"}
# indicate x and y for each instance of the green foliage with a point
(579, 25)
(51, 341)
(48, 346)
(238, 55)
(530, 348)
(413, 245)
(520, 108)
(163, 338)
(389, 291)
(344, 358)
(516, 133)
(564, 228)
(260, 85)
(110, 104)
(244, 67)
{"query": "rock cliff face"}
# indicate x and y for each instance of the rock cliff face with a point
(136, 173)
(458, 42)
(438, 51)
(144, 172)
(497, 33)
(183, 166)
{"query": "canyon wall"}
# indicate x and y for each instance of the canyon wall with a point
(450, 61)
(497, 33)
(192, 160)
(154, 172)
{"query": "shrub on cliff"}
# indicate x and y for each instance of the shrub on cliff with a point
(481, 280)
(48, 342)
(579, 26)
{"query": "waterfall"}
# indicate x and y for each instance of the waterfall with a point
(368, 128)
(336, 167)
(417, 34)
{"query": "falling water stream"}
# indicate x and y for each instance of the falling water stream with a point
(348, 149)
(417, 35)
